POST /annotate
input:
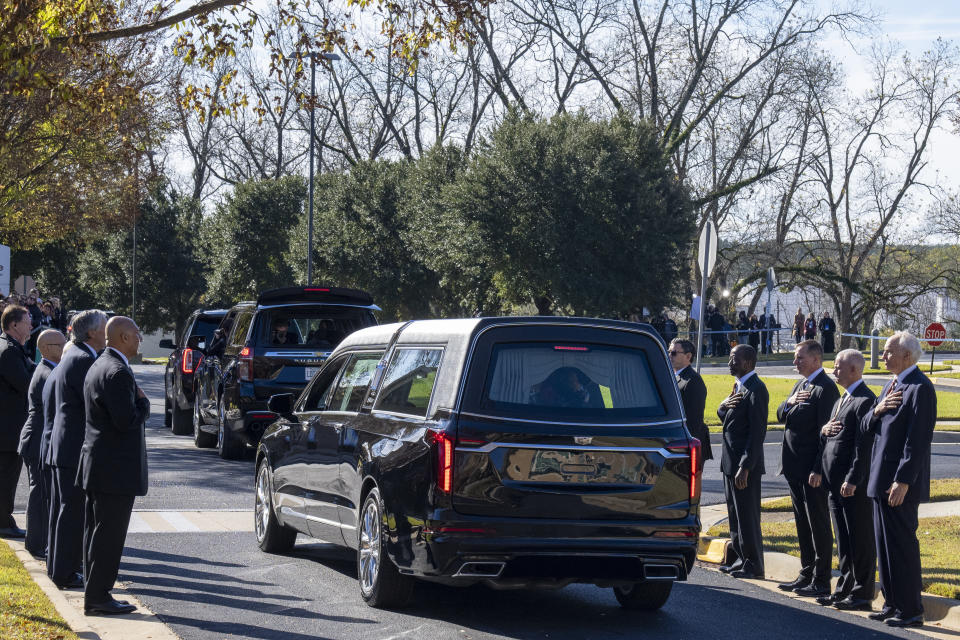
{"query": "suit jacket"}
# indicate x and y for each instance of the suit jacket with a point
(800, 453)
(16, 370)
(29, 446)
(744, 428)
(901, 450)
(69, 419)
(693, 394)
(846, 455)
(114, 455)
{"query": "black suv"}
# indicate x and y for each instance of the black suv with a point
(519, 452)
(271, 346)
(182, 364)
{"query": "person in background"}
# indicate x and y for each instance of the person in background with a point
(743, 328)
(669, 329)
(754, 338)
(827, 328)
(798, 322)
(16, 370)
(59, 315)
(902, 422)
(693, 394)
(718, 338)
(846, 465)
(744, 416)
(50, 344)
(36, 316)
(810, 327)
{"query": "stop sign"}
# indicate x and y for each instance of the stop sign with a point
(935, 334)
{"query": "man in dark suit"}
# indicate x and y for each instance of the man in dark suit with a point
(16, 369)
(50, 344)
(113, 463)
(693, 394)
(804, 413)
(744, 416)
(846, 462)
(65, 546)
(902, 421)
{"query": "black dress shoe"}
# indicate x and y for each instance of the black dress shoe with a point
(796, 584)
(740, 573)
(75, 582)
(853, 604)
(829, 600)
(108, 608)
(812, 591)
(883, 614)
(13, 532)
(897, 621)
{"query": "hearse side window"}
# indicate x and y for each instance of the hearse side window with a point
(320, 390)
(240, 329)
(353, 384)
(570, 380)
(408, 382)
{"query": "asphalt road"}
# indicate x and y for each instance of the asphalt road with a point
(213, 585)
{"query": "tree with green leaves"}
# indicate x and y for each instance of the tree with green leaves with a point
(247, 236)
(575, 215)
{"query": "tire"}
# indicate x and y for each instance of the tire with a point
(201, 439)
(644, 596)
(381, 584)
(272, 536)
(228, 446)
(166, 410)
(182, 421)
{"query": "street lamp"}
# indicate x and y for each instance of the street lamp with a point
(313, 99)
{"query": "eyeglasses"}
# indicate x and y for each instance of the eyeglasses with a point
(676, 353)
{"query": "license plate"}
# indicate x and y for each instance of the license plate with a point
(309, 372)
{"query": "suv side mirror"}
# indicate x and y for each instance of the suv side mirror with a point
(167, 343)
(281, 403)
(197, 342)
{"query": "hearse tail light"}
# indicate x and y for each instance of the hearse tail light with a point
(315, 290)
(245, 366)
(186, 363)
(444, 443)
(569, 348)
(692, 449)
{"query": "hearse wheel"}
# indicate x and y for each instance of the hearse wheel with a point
(381, 584)
(644, 596)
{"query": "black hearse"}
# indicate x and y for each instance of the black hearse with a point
(515, 451)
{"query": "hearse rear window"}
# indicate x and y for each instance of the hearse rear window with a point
(548, 380)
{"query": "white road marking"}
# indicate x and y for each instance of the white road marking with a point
(190, 521)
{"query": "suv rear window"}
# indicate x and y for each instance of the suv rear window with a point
(204, 327)
(321, 328)
(583, 381)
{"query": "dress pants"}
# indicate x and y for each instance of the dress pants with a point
(66, 554)
(856, 546)
(38, 510)
(812, 514)
(53, 510)
(104, 532)
(10, 465)
(898, 556)
(743, 509)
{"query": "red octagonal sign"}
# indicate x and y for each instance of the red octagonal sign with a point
(935, 334)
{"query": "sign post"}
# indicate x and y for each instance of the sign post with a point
(934, 334)
(706, 258)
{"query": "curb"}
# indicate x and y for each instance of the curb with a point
(938, 612)
(141, 625)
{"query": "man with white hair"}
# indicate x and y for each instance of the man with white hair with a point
(846, 462)
(902, 421)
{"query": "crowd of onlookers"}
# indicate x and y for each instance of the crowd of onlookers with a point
(44, 314)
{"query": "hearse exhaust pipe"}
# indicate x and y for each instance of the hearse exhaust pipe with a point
(661, 572)
(480, 570)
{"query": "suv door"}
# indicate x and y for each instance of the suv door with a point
(341, 405)
(229, 372)
(208, 378)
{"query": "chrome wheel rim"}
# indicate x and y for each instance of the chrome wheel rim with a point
(196, 420)
(369, 546)
(262, 505)
(220, 427)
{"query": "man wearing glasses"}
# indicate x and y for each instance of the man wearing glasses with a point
(693, 394)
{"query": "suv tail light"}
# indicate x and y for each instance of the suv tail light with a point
(445, 446)
(186, 362)
(245, 365)
(691, 448)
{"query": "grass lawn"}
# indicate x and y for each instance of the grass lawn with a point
(939, 550)
(719, 387)
(25, 612)
(941, 490)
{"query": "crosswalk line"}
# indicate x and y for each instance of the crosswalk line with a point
(190, 521)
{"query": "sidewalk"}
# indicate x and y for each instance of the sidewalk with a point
(942, 615)
(143, 624)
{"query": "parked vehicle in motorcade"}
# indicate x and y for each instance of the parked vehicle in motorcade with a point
(270, 346)
(182, 364)
(520, 452)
